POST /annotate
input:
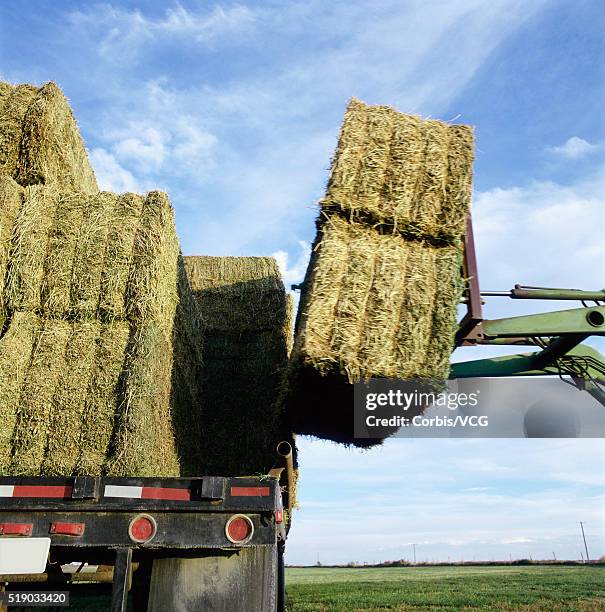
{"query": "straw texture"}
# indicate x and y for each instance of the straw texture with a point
(403, 173)
(379, 295)
(98, 315)
(39, 139)
(11, 198)
(384, 281)
(248, 319)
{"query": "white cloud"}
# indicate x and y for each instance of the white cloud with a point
(165, 137)
(141, 144)
(541, 234)
(296, 272)
(124, 33)
(111, 176)
(266, 197)
(165, 144)
(193, 146)
(574, 148)
(518, 540)
(414, 55)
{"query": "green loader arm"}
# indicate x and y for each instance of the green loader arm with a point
(558, 335)
(589, 377)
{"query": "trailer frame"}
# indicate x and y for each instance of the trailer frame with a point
(89, 520)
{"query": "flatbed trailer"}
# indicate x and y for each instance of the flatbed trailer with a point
(174, 543)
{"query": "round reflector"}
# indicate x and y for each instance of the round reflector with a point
(239, 529)
(142, 528)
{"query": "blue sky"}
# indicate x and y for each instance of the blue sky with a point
(234, 109)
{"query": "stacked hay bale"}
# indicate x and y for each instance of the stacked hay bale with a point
(384, 281)
(96, 317)
(39, 144)
(39, 139)
(99, 333)
(247, 317)
(11, 196)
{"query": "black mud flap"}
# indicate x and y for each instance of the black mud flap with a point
(225, 581)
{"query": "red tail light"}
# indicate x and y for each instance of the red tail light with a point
(142, 528)
(239, 529)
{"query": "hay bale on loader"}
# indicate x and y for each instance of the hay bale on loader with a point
(39, 139)
(409, 176)
(247, 318)
(96, 308)
(384, 281)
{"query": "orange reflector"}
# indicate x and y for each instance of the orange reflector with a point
(73, 529)
(279, 516)
(250, 491)
(142, 528)
(239, 529)
(16, 529)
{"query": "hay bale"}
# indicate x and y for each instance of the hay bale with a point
(188, 410)
(95, 398)
(39, 139)
(374, 306)
(14, 102)
(237, 293)
(66, 396)
(401, 172)
(15, 353)
(382, 288)
(116, 339)
(35, 407)
(143, 440)
(122, 227)
(247, 317)
(374, 303)
(11, 198)
(444, 325)
(102, 399)
(152, 287)
(88, 259)
(51, 149)
(29, 244)
(57, 252)
(112, 257)
(69, 399)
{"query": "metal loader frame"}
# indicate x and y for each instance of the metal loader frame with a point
(559, 335)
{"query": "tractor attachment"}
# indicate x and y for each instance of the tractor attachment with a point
(558, 335)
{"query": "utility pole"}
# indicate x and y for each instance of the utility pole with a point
(584, 538)
(414, 546)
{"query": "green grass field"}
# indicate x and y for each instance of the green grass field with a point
(447, 589)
